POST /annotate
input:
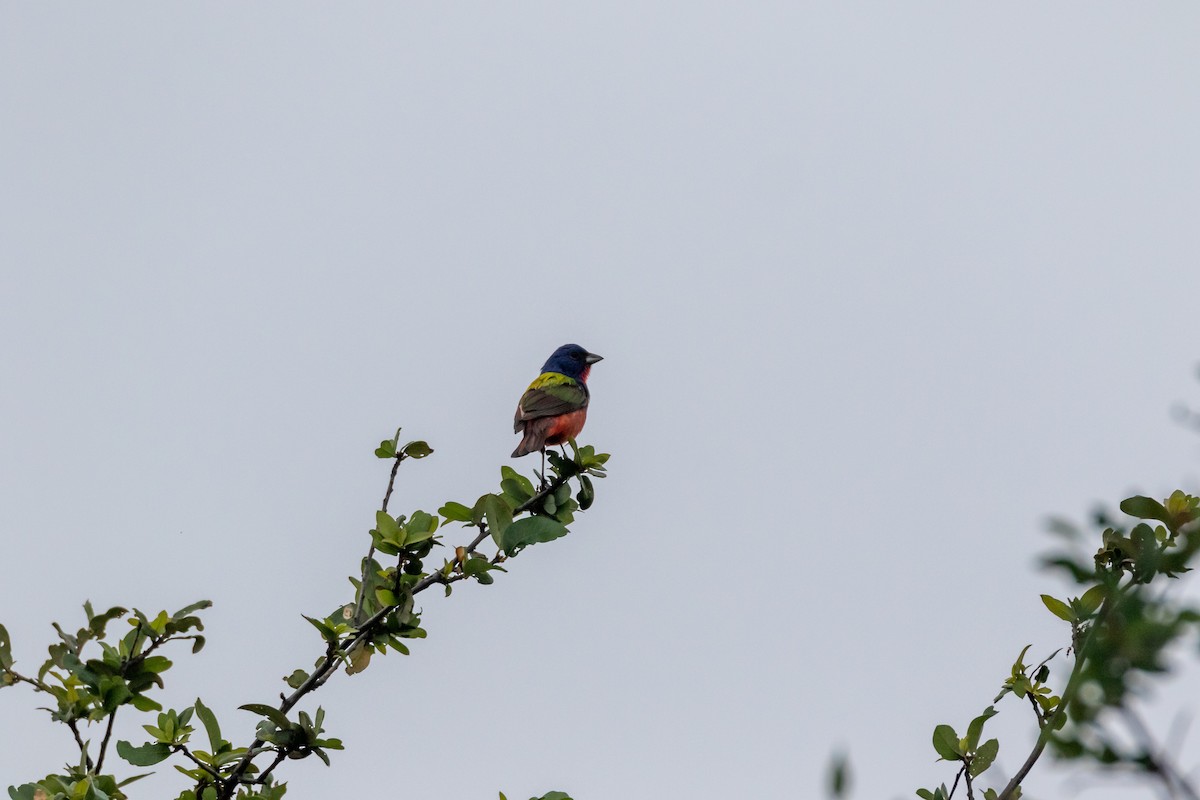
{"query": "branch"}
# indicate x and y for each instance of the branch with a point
(134, 658)
(1037, 710)
(1054, 721)
(954, 787)
(262, 777)
(1048, 728)
(34, 682)
(392, 481)
(87, 760)
(155, 643)
(107, 735)
(333, 652)
(41, 686)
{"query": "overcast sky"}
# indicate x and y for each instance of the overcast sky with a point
(878, 287)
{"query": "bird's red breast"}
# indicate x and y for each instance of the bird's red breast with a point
(566, 426)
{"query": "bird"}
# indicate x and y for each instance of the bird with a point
(554, 407)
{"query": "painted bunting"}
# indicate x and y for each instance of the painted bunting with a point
(554, 407)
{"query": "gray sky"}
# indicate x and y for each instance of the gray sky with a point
(878, 288)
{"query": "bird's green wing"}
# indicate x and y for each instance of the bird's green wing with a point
(549, 395)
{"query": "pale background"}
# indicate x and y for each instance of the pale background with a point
(879, 287)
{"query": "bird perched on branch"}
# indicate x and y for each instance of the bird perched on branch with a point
(554, 407)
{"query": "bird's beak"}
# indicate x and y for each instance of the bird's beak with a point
(592, 358)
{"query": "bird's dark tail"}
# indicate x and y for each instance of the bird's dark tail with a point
(534, 438)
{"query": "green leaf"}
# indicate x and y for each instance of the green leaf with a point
(975, 729)
(984, 757)
(1018, 666)
(1058, 608)
(1145, 508)
(478, 568)
(114, 695)
(417, 449)
(296, 679)
(159, 623)
(531, 530)
(513, 490)
(143, 703)
(499, 516)
(145, 756)
(552, 796)
(456, 512)
(98, 622)
(270, 712)
(587, 493)
(945, 742)
(419, 527)
(526, 485)
(6, 659)
(1092, 599)
(386, 449)
(359, 658)
(475, 566)
(156, 664)
(477, 515)
(389, 529)
(210, 725)
(327, 632)
(183, 612)
(134, 778)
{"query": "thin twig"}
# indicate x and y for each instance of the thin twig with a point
(42, 686)
(107, 735)
(954, 787)
(1037, 709)
(182, 748)
(87, 760)
(34, 682)
(391, 481)
(387, 496)
(262, 776)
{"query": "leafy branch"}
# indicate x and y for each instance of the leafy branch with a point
(1121, 627)
(89, 690)
(89, 687)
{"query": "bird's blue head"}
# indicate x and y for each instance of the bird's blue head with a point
(571, 360)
